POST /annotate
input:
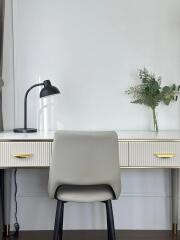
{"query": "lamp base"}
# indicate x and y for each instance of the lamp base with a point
(25, 130)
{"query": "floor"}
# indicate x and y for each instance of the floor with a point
(98, 235)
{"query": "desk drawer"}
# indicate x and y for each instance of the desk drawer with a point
(123, 154)
(154, 154)
(25, 154)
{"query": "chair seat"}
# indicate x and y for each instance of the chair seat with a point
(84, 193)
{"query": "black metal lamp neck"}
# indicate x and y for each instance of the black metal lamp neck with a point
(25, 102)
(47, 83)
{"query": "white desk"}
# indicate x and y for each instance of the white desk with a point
(136, 150)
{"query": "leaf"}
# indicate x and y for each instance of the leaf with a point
(166, 101)
(174, 87)
(138, 101)
(165, 89)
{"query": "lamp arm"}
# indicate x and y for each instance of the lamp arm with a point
(25, 102)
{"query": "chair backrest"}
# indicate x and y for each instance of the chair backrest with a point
(85, 158)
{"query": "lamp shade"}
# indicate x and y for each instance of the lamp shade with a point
(48, 89)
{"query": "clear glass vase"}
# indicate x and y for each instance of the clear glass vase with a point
(155, 122)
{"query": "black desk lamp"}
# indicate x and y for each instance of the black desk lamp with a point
(47, 90)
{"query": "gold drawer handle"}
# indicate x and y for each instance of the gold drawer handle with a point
(165, 155)
(22, 155)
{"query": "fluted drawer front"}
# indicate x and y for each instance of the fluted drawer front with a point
(123, 154)
(38, 154)
(25, 154)
(154, 154)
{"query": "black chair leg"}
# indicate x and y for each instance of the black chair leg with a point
(58, 226)
(110, 221)
(61, 222)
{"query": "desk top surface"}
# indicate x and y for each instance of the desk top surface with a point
(122, 135)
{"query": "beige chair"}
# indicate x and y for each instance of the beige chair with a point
(84, 168)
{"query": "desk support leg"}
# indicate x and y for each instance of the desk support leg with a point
(1, 202)
(7, 201)
(175, 194)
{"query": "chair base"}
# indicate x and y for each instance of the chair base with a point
(58, 226)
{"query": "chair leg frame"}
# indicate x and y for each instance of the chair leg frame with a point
(110, 221)
(58, 226)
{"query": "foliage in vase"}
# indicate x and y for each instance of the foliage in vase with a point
(151, 93)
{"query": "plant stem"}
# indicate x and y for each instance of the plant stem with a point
(155, 120)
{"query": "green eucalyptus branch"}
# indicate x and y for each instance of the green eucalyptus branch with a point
(151, 94)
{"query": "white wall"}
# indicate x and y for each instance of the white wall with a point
(91, 50)
(8, 69)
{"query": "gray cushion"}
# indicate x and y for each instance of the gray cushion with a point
(84, 194)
